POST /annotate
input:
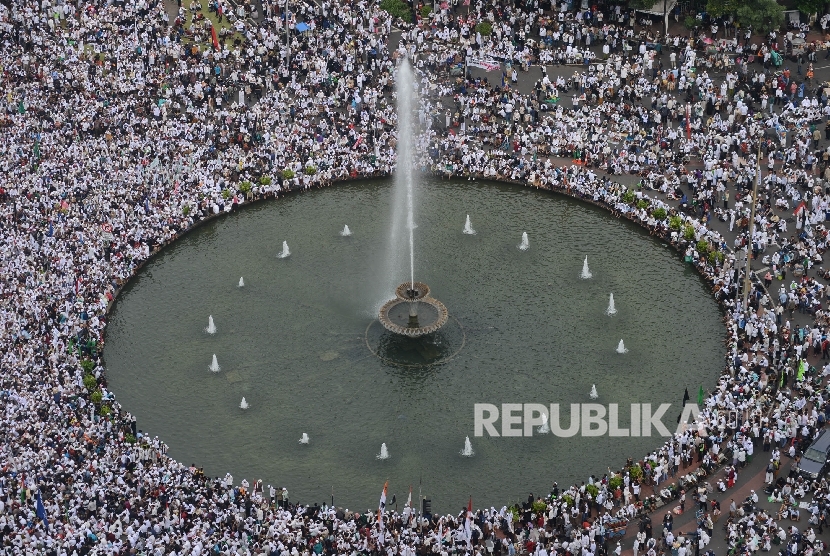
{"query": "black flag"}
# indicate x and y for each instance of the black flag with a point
(685, 397)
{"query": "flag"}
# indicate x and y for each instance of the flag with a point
(688, 121)
(686, 397)
(468, 528)
(77, 286)
(382, 504)
(40, 511)
(407, 510)
(700, 396)
(781, 383)
(802, 368)
(214, 38)
(51, 230)
(801, 206)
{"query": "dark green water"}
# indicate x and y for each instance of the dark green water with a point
(293, 342)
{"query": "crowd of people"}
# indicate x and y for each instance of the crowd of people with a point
(125, 124)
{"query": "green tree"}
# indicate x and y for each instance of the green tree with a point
(640, 4)
(812, 6)
(761, 15)
(397, 8)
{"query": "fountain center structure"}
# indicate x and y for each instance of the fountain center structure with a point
(413, 312)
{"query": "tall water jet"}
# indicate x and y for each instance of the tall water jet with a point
(214, 365)
(413, 312)
(241, 282)
(346, 232)
(384, 453)
(612, 309)
(586, 273)
(545, 426)
(211, 328)
(467, 452)
(243, 404)
(594, 394)
(285, 252)
(304, 439)
(621, 347)
(525, 244)
(468, 227)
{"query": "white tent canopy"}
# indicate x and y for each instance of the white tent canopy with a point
(657, 7)
(661, 8)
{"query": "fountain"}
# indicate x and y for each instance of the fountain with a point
(468, 227)
(545, 426)
(285, 252)
(214, 365)
(621, 347)
(243, 404)
(384, 453)
(612, 309)
(412, 312)
(467, 452)
(346, 231)
(525, 244)
(241, 282)
(594, 394)
(211, 328)
(586, 274)
(304, 439)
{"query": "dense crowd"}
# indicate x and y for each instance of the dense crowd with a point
(122, 127)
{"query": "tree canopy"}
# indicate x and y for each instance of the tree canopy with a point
(761, 15)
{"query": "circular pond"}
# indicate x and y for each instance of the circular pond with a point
(301, 343)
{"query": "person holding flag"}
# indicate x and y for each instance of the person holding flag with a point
(40, 510)
(381, 509)
(468, 525)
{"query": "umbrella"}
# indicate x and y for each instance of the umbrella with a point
(708, 40)
(302, 27)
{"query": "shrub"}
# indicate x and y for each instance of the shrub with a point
(106, 410)
(186, 210)
(689, 232)
(310, 170)
(628, 196)
(702, 247)
(716, 257)
(485, 28)
(539, 506)
(642, 204)
(90, 382)
(569, 500)
(96, 397)
(226, 194)
(690, 22)
(593, 490)
(659, 213)
(396, 8)
(287, 174)
(265, 180)
(675, 222)
(614, 482)
(245, 186)
(425, 11)
(636, 471)
(87, 365)
(129, 438)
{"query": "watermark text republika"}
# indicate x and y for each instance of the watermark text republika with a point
(587, 419)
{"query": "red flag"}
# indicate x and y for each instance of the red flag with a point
(382, 504)
(801, 206)
(214, 37)
(688, 122)
(468, 526)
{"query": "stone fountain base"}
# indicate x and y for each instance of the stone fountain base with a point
(413, 312)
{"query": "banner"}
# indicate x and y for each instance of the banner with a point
(486, 65)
